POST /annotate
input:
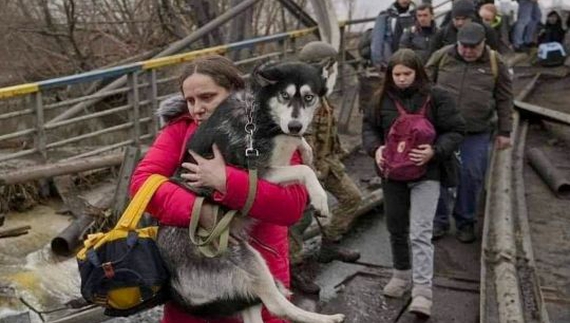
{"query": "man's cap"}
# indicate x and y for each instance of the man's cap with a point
(463, 8)
(317, 51)
(471, 34)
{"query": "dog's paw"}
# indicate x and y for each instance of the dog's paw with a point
(337, 318)
(319, 201)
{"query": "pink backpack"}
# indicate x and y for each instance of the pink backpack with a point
(406, 133)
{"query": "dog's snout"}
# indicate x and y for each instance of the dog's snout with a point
(295, 127)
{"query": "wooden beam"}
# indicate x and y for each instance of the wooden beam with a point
(545, 112)
(28, 174)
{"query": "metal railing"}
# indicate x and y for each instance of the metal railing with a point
(37, 123)
(123, 116)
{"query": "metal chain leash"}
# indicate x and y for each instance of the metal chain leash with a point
(250, 128)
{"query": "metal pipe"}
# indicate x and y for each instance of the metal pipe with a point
(16, 114)
(123, 126)
(549, 173)
(17, 134)
(87, 97)
(108, 148)
(18, 154)
(174, 48)
(67, 241)
(88, 116)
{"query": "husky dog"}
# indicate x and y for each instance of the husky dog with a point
(284, 99)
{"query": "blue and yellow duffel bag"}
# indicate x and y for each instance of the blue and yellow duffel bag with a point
(122, 270)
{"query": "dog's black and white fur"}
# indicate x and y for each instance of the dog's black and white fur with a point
(239, 281)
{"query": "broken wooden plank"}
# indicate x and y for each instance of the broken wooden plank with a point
(14, 232)
(549, 113)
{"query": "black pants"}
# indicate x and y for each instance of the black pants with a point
(396, 209)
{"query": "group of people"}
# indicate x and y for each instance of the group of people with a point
(463, 88)
(459, 71)
(396, 27)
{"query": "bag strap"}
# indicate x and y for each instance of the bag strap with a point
(132, 215)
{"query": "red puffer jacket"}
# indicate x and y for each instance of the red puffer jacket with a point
(277, 207)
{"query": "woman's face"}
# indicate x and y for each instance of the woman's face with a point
(403, 76)
(203, 95)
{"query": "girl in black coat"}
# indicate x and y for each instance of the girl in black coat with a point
(552, 31)
(410, 206)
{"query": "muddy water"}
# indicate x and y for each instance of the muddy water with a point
(28, 269)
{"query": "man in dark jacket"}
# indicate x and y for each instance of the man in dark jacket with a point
(419, 37)
(462, 12)
(388, 29)
(481, 84)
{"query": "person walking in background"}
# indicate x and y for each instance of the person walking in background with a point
(490, 16)
(323, 138)
(552, 31)
(419, 36)
(525, 30)
(481, 86)
(409, 204)
(462, 12)
(388, 29)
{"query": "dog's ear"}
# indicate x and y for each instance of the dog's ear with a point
(262, 75)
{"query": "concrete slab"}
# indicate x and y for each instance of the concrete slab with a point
(361, 300)
(450, 306)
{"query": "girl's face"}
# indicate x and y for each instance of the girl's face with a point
(203, 95)
(403, 76)
(552, 19)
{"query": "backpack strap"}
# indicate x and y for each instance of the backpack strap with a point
(494, 64)
(425, 106)
(402, 110)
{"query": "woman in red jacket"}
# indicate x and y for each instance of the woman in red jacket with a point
(205, 83)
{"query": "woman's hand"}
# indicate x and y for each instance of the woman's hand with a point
(207, 172)
(422, 154)
(379, 158)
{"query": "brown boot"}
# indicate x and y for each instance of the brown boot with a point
(332, 251)
(300, 281)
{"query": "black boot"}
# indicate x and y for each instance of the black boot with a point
(330, 251)
(466, 234)
(303, 283)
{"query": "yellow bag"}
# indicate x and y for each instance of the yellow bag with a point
(121, 270)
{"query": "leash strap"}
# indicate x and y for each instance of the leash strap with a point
(203, 238)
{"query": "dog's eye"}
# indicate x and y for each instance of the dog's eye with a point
(285, 95)
(309, 97)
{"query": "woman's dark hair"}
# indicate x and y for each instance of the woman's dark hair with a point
(410, 59)
(220, 69)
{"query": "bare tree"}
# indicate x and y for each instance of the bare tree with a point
(47, 38)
